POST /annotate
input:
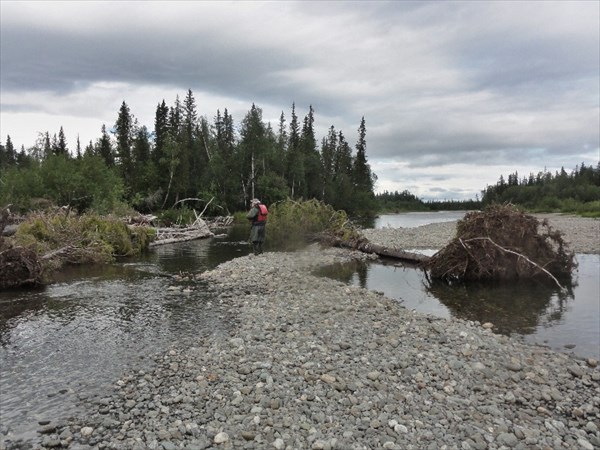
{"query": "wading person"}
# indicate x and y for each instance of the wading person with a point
(258, 216)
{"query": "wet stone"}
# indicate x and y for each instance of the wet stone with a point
(312, 363)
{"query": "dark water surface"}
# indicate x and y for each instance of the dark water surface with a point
(77, 336)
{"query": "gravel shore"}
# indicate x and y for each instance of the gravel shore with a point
(581, 234)
(314, 364)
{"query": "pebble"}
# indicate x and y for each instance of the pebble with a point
(314, 364)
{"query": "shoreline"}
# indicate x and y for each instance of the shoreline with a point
(581, 234)
(312, 363)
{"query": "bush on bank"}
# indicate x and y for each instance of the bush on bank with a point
(61, 238)
(292, 221)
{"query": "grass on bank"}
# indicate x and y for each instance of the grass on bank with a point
(80, 239)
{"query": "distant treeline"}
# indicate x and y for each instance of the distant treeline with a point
(406, 201)
(576, 192)
(186, 156)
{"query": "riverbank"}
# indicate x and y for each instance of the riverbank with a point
(314, 364)
(582, 234)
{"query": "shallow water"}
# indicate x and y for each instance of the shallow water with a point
(74, 337)
(540, 313)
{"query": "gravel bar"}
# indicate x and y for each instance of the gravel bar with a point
(581, 234)
(314, 364)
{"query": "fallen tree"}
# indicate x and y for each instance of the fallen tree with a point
(502, 243)
(364, 245)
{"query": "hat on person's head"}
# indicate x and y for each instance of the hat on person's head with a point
(255, 201)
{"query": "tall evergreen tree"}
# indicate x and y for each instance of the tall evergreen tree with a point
(312, 159)
(54, 145)
(361, 173)
(224, 178)
(124, 133)
(78, 148)
(141, 161)
(295, 161)
(104, 148)
(281, 148)
(160, 158)
(342, 180)
(251, 150)
(47, 146)
(10, 155)
(161, 130)
(328, 154)
(189, 156)
(61, 147)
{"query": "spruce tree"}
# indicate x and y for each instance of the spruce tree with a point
(10, 155)
(124, 132)
(161, 130)
(141, 161)
(281, 147)
(251, 150)
(328, 152)
(104, 148)
(361, 173)
(61, 148)
(295, 161)
(190, 155)
(312, 159)
(78, 148)
(47, 146)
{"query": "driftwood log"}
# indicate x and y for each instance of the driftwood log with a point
(380, 250)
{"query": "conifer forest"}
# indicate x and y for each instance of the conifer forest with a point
(189, 157)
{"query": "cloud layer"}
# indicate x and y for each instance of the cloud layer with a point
(447, 88)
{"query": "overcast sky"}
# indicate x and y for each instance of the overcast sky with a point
(454, 94)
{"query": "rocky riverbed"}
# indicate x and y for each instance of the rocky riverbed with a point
(314, 364)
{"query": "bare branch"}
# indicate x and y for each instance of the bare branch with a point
(520, 256)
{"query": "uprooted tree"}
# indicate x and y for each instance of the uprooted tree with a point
(502, 243)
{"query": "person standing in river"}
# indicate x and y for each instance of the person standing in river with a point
(258, 216)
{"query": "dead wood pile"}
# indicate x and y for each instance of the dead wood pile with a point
(198, 230)
(502, 243)
(19, 266)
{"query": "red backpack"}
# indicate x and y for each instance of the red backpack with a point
(262, 213)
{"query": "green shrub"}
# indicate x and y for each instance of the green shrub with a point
(293, 221)
(86, 238)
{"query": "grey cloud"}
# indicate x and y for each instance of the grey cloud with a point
(437, 82)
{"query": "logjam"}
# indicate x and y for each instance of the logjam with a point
(198, 230)
(502, 243)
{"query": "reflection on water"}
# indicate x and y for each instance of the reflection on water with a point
(540, 313)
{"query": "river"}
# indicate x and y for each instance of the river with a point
(74, 338)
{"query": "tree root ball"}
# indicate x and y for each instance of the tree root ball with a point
(502, 243)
